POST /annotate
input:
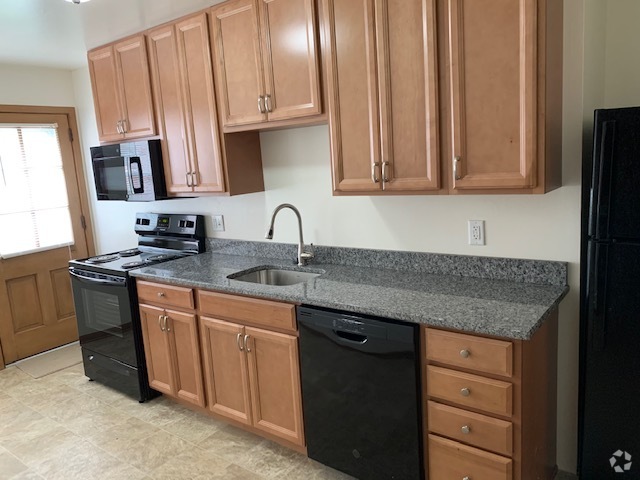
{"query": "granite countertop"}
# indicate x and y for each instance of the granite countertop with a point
(504, 308)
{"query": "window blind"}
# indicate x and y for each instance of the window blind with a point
(34, 205)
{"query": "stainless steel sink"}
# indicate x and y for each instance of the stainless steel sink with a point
(275, 276)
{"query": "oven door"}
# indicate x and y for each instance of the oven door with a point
(105, 311)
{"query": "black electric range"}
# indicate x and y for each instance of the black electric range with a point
(106, 300)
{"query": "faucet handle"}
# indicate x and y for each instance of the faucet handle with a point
(305, 257)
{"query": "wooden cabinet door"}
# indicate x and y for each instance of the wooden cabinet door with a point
(493, 88)
(290, 58)
(200, 102)
(274, 374)
(349, 32)
(167, 90)
(157, 350)
(225, 366)
(185, 350)
(406, 39)
(137, 105)
(236, 46)
(106, 97)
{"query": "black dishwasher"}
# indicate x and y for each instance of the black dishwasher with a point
(360, 394)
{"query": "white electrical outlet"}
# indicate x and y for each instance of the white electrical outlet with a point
(218, 223)
(476, 232)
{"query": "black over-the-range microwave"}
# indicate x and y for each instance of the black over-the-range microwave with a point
(129, 171)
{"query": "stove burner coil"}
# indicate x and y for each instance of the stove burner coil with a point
(133, 264)
(103, 258)
(159, 258)
(129, 253)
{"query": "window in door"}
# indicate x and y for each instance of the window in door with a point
(34, 205)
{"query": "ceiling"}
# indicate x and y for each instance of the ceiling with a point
(46, 33)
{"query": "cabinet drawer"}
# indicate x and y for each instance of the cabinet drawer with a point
(248, 310)
(494, 396)
(161, 294)
(472, 428)
(453, 460)
(468, 351)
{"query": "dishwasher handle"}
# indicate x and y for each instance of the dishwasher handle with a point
(350, 338)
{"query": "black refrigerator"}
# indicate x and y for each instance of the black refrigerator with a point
(609, 410)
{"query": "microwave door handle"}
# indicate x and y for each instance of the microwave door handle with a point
(137, 161)
(95, 281)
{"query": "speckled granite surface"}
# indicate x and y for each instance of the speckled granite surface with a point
(513, 269)
(507, 308)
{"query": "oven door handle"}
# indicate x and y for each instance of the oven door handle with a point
(96, 281)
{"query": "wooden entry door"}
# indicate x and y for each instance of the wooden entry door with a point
(36, 301)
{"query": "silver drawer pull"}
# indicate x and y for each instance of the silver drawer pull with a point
(246, 344)
(466, 478)
(465, 392)
(239, 341)
(466, 429)
(465, 353)
(160, 294)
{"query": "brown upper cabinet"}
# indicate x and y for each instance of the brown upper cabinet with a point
(266, 60)
(197, 157)
(121, 90)
(503, 87)
(444, 96)
(382, 95)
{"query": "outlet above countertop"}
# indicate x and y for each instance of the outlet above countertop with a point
(510, 308)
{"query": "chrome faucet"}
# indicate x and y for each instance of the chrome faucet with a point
(303, 257)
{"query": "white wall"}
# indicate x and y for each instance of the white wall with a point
(22, 85)
(622, 72)
(297, 170)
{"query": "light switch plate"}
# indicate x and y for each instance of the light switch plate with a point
(218, 223)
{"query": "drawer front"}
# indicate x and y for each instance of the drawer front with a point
(467, 351)
(453, 460)
(472, 428)
(248, 310)
(161, 294)
(489, 395)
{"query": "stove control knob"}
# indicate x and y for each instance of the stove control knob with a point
(160, 294)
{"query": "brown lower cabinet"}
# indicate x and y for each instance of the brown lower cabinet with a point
(173, 353)
(252, 376)
(235, 356)
(490, 405)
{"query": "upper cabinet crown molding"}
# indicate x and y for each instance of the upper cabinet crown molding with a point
(266, 56)
(121, 90)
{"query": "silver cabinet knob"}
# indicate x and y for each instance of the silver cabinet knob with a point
(466, 429)
(90, 357)
(466, 478)
(160, 294)
(465, 353)
(465, 392)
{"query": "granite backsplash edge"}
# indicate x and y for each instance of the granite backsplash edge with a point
(540, 272)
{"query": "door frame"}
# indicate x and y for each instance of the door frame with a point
(78, 162)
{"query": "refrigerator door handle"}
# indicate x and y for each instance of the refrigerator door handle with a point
(601, 179)
(599, 309)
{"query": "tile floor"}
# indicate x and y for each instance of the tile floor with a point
(62, 426)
